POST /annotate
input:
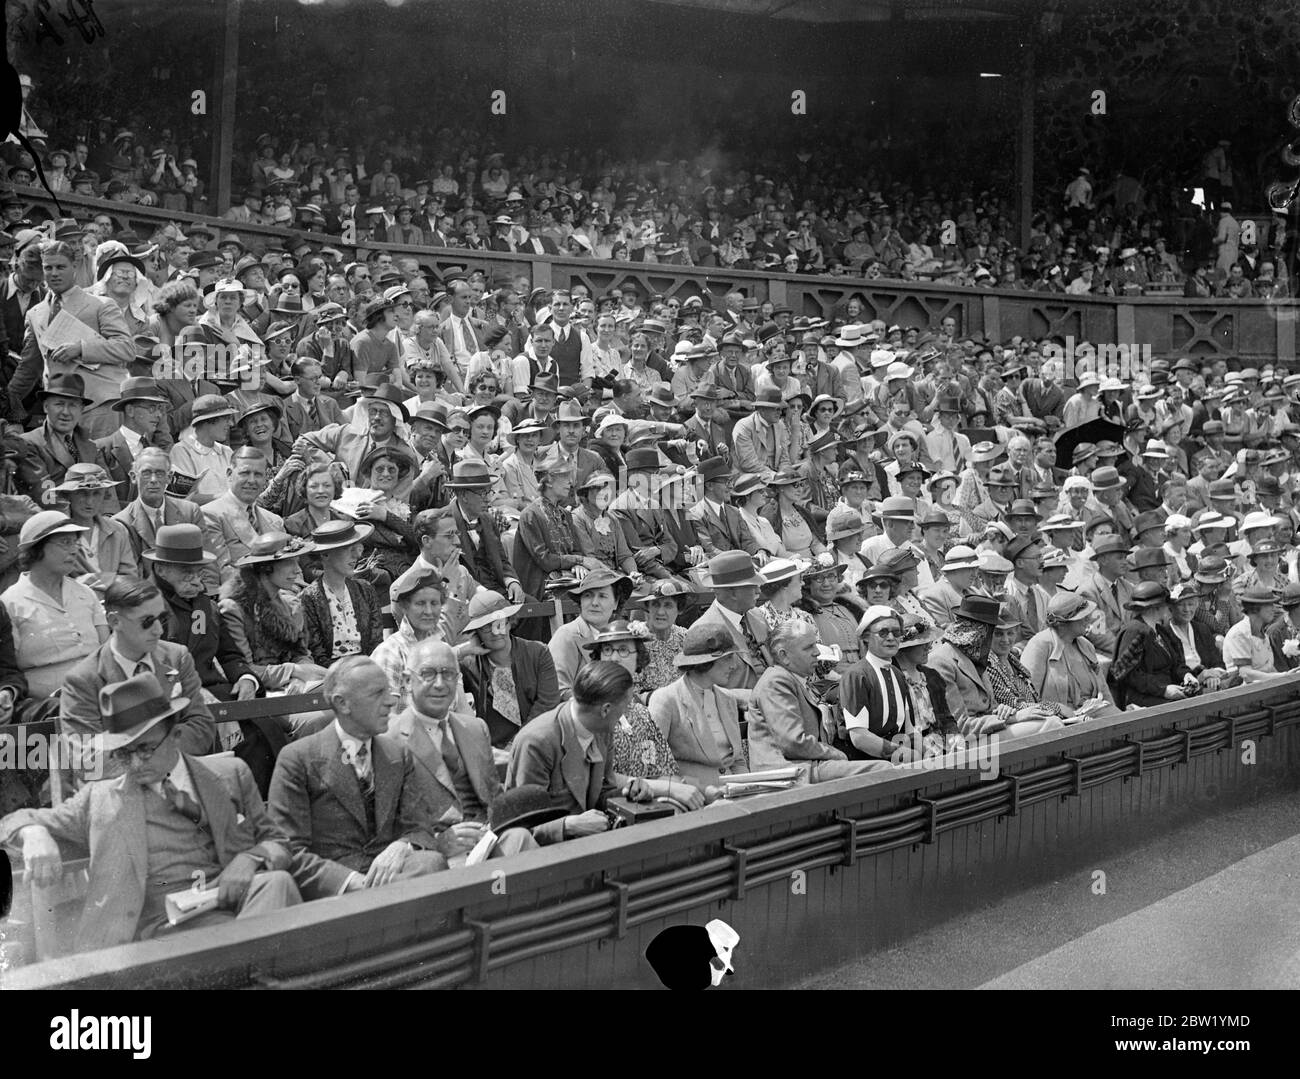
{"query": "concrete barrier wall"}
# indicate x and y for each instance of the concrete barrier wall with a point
(880, 858)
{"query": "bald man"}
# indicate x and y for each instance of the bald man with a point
(358, 811)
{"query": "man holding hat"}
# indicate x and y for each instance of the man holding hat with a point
(169, 820)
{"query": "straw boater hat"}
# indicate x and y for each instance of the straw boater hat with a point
(45, 524)
(333, 535)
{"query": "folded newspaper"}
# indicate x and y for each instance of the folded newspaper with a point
(482, 848)
(182, 906)
(355, 497)
(747, 783)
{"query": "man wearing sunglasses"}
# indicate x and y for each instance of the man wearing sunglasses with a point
(137, 621)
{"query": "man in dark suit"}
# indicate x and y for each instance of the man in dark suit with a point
(178, 559)
(20, 291)
(307, 409)
(480, 546)
(143, 407)
(59, 441)
(567, 752)
(136, 615)
(717, 522)
(170, 820)
(357, 810)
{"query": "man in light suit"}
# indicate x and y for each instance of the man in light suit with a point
(136, 613)
(788, 726)
(735, 585)
(307, 409)
(358, 811)
(143, 407)
(154, 508)
(453, 748)
(762, 441)
(384, 408)
(108, 346)
(170, 820)
(692, 709)
(236, 514)
(960, 568)
(461, 332)
(1109, 590)
(567, 752)
(59, 442)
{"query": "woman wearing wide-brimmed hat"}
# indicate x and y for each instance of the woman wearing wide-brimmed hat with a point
(342, 614)
(599, 594)
(598, 534)
(104, 550)
(264, 615)
(663, 601)
(1149, 666)
(801, 527)
(259, 424)
(697, 715)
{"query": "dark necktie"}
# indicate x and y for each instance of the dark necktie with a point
(450, 754)
(754, 647)
(252, 516)
(182, 802)
(56, 305)
(70, 441)
(312, 414)
(141, 668)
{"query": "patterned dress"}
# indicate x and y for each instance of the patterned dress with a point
(659, 670)
(639, 747)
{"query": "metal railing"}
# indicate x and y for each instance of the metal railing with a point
(457, 929)
(1255, 331)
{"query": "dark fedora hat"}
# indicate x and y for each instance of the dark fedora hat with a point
(732, 569)
(262, 404)
(180, 545)
(73, 386)
(1152, 594)
(526, 807)
(983, 609)
(130, 708)
(389, 394)
(1150, 558)
(137, 390)
(643, 459)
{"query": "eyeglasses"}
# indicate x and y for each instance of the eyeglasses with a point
(129, 753)
(620, 648)
(438, 674)
(887, 632)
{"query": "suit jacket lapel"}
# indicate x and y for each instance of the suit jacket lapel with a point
(217, 804)
(388, 783)
(340, 778)
(573, 762)
(425, 753)
(471, 752)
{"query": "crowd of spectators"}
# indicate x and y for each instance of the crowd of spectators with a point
(800, 212)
